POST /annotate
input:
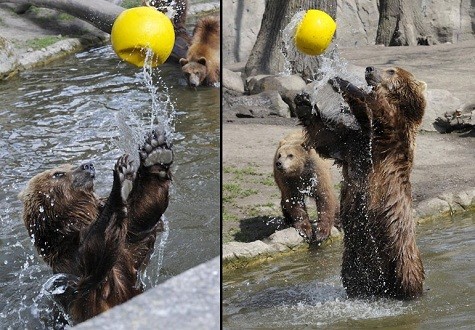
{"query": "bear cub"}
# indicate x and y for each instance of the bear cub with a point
(202, 63)
(299, 173)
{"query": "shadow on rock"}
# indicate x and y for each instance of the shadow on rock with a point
(258, 228)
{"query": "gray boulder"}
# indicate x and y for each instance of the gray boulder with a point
(261, 83)
(232, 80)
(439, 102)
(261, 105)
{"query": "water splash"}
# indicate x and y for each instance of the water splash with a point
(330, 64)
(130, 121)
(152, 274)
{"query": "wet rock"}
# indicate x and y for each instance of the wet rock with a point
(232, 81)
(445, 203)
(282, 84)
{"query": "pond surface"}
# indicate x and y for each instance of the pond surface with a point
(66, 113)
(303, 290)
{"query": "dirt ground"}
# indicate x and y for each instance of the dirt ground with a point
(443, 163)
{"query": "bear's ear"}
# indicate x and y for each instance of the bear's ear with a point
(202, 60)
(183, 61)
(422, 85)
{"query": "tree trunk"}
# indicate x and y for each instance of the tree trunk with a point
(99, 13)
(401, 23)
(267, 56)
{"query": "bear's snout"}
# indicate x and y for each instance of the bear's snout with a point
(88, 168)
(278, 164)
(372, 76)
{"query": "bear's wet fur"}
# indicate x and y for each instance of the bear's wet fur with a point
(299, 173)
(380, 254)
(202, 63)
(100, 244)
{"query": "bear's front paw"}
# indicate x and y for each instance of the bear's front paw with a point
(336, 83)
(321, 233)
(304, 228)
(157, 153)
(302, 99)
(126, 172)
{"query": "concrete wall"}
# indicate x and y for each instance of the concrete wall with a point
(190, 300)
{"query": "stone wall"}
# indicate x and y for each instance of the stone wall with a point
(190, 300)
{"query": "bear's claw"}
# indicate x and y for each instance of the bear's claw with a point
(156, 151)
(126, 172)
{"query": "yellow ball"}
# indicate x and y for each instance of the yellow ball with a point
(139, 28)
(315, 32)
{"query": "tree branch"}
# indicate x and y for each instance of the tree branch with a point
(99, 13)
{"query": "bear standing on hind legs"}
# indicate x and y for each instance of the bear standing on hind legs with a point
(100, 245)
(299, 173)
(380, 255)
(202, 63)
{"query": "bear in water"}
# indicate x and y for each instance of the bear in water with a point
(202, 63)
(299, 173)
(100, 244)
(380, 254)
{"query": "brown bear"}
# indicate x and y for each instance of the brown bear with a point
(100, 244)
(299, 173)
(380, 254)
(202, 63)
(176, 10)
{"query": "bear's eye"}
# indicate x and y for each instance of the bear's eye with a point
(58, 175)
(291, 156)
(391, 71)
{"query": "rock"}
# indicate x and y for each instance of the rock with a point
(8, 59)
(285, 239)
(232, 80)
(439, 102)
(357, 22)
(462, 120)
(261, 83)
(260, 106)
(240, 28)
(241, 250)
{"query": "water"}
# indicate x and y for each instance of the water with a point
(303, 290)
(333, 109)
(73, 111)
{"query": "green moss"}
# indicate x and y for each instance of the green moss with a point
(65, 17)
(131, 3)
(39, 43)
